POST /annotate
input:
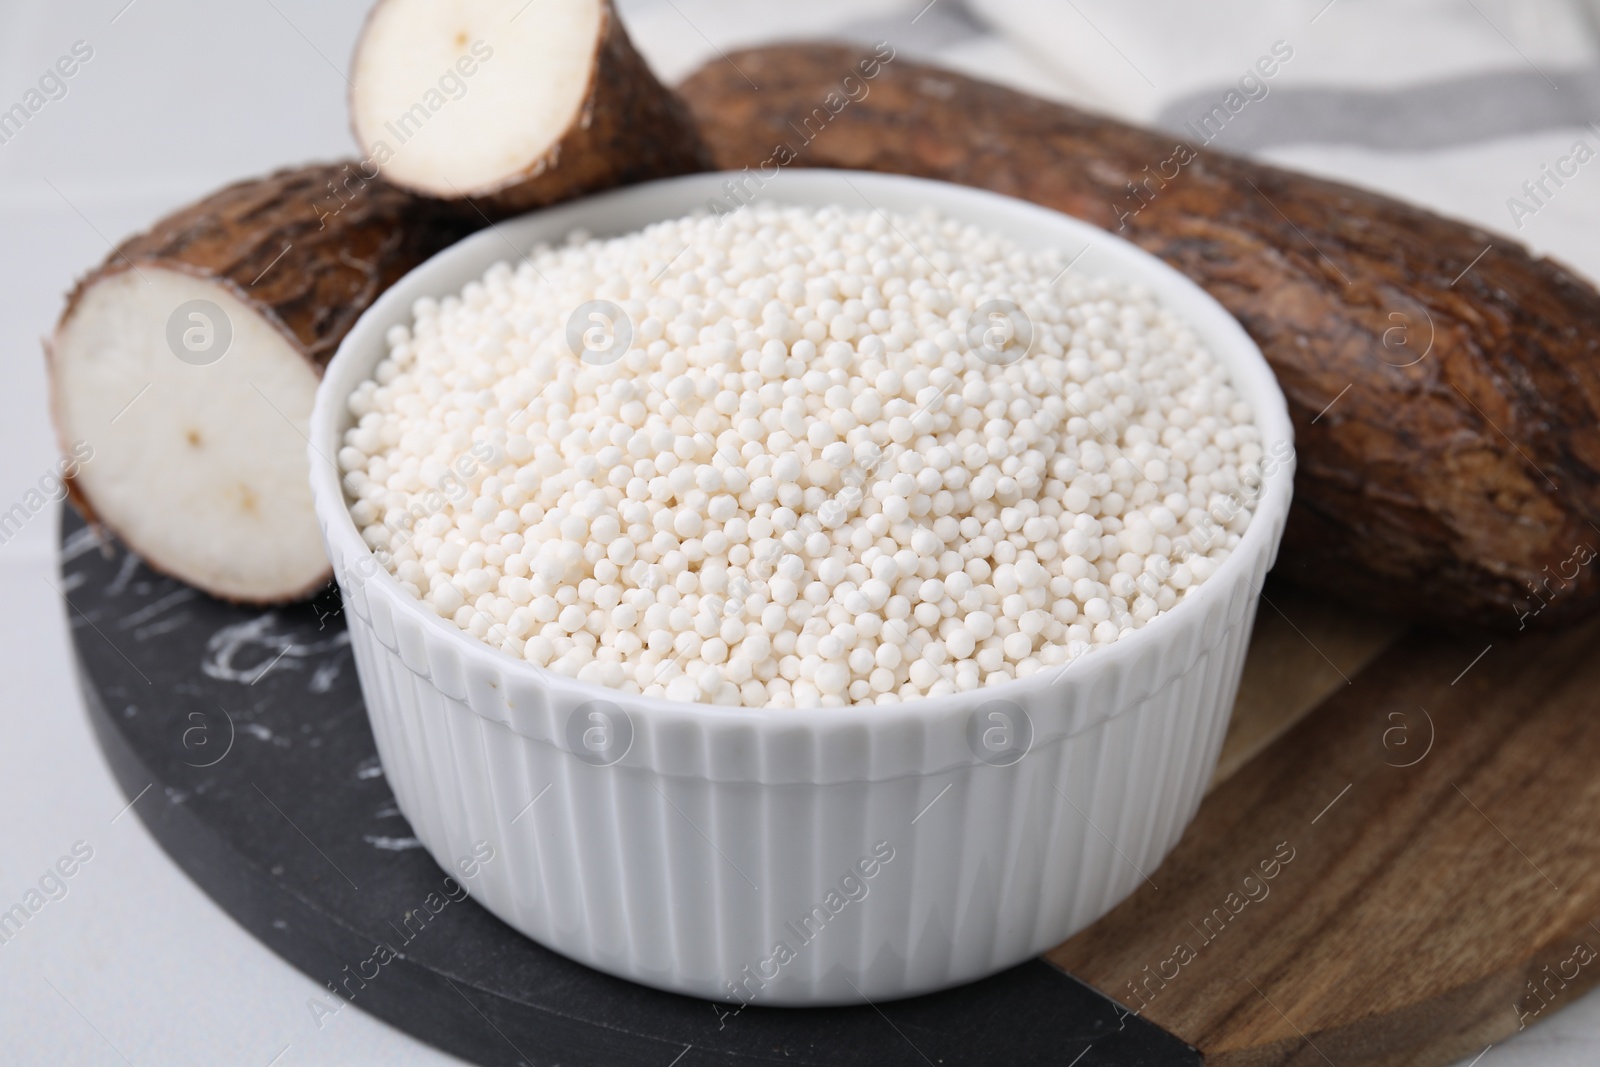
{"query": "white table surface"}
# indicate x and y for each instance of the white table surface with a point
(135, 964)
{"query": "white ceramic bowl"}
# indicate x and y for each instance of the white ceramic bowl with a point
(817, 855)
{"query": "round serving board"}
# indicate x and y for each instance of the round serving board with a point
(239, 735)
(1398, 864)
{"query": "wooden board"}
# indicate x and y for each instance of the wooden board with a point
(1303, 650)
(1443, 817)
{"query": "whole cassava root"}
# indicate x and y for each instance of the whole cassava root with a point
(190, 358)
(1447, 419)
(513, 104)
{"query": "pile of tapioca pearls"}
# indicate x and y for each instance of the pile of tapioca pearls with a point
(801, 474)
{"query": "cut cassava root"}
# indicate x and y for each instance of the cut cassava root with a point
(513, 104)
(1447, 419)
(190, 358)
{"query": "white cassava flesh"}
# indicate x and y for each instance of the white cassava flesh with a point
(189, 360)
(454, 133)
(200, 468)
(515, 104)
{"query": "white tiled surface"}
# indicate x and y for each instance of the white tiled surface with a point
(180, 96)
(183, 95)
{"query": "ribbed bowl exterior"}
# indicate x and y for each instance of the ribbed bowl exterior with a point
(801, 856)
(687, 882)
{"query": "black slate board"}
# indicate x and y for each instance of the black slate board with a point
(239, 736)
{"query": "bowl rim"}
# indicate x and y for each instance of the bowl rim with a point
(1028, 223)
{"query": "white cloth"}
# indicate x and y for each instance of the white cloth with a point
(1131, 59)
(1450, 104)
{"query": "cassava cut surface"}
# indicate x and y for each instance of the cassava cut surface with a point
(190, 358)
(514, 104)
(1456, 469)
